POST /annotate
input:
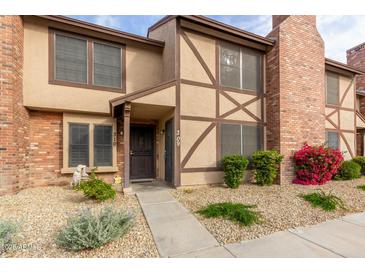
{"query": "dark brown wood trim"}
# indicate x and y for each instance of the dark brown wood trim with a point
(126, 140)
(339, 107)
(346, 91)
(220, 120)
(200, 169)
(217, 104)
(140, 93)
(89, 85)
(199, 57)
(100, 29)
(177, 133)
(342, 66)
(241, 91)
(358, 114)
(263, 101)
(124, 68)
(197, 143)
(199, 84)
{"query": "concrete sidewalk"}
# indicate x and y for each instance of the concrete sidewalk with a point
(177, 233)
(344, 237)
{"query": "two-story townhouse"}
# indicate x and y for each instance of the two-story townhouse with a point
(168, 106)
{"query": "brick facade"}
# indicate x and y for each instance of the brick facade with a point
(356, 58)
(295, 88)
(14, 118)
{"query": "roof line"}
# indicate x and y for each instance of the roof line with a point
(98, 28)
(217, 25)
(343, 66)
(356, 47)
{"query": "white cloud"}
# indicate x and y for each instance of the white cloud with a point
(107, 21)
(341, 33)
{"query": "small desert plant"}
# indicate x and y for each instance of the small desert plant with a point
(266, 164)
(7, 231)
(96, 188)
(90, 231)
(234, 167)
(240, 213)
(328, 202)
(361, 161)
(188, 190)
(361, 187)
(349, 170)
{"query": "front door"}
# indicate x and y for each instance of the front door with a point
(169, 151)
(142, 152)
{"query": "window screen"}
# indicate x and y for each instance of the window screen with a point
(230, 139)
(251, 139)
(78, 145)
(103, 145)
(332, 94)
(251, 70)
(70, 59)
(230, 66)
(240, 67)
(240, 139)
(332, 139)
(107, 66)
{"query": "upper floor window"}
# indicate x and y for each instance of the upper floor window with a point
(86, 62)
(107, 66)
(240, 67)
(332, 88)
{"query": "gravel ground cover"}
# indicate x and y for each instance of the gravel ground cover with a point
(280, 206)
(42, 211)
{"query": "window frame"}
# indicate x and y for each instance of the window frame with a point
(338, 137)
(260, 130)
(242, 48)
(121, 63)
(326, 88)
(90, 62)
(91, 121)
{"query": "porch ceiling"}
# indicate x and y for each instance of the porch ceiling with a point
(147, 112)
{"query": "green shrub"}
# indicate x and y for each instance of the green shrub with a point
(349, 170)
(96, 188)
(266, 164)
(328, 202)
(90, 231)
(361, 161)
(361, 187)
(7, 231)
(239, 213)
(234, 167)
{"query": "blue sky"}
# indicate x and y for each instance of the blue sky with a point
(339, 32)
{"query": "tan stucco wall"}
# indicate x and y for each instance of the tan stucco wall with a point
(205, 154)
(359, 122)
(201, 178)
(349, 101)
(197, 101)
(143, 69)
(191, 69)
(167, 33)
(347, 120)
(165, 97)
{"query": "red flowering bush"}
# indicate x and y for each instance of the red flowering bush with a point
(316, 165)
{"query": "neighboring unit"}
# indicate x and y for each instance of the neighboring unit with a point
(169, 106)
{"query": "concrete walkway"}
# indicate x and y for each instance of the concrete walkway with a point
(177, 233)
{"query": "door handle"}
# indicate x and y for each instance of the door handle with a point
(131, 152)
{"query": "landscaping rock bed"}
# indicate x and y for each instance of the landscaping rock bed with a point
(280, 206)
(42, 211)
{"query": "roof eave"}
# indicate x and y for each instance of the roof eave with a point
(343, 66)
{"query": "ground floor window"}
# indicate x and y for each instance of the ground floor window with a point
(89, 140)
(332, 139)
(240, 139)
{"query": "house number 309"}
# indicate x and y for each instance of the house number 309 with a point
(178, 138)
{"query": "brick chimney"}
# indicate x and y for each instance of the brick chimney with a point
(14, 118)
(295, 88)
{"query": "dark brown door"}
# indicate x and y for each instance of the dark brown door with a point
(142, 152)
